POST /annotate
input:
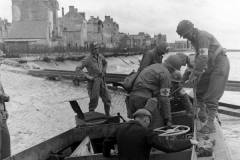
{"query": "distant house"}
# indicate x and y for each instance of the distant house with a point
(73, 27)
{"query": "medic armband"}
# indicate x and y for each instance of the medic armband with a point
(165, 92)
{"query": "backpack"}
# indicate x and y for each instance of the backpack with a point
(129, 81)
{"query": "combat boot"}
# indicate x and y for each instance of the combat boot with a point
(209, 127)
(202, 114)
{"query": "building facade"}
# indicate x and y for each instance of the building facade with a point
(73, 27)
(33, 22)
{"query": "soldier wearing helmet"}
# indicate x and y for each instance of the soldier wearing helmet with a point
(96, 66)
(154, 56)
(154, 82)
(211, 70)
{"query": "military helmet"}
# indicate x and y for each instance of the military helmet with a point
(176, 76)
(173, 61)
(162, 47)
(184, 27)
(142, 112)
(94, 45)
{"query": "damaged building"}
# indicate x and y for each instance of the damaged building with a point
(33, 22)
(73, 26)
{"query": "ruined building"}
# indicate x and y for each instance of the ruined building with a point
(104, 32)
(73, 26)
(4, 28)
(33, 22)
(110, 32)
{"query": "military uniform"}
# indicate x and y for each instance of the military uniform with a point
(153, 81)
(96, 66)
(212, 64)
(149, 58)
(5, 148)
(135, 142)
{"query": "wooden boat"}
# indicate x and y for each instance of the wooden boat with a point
(61, 146)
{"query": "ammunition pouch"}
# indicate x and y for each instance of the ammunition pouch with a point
(4, 115)
(4, 98)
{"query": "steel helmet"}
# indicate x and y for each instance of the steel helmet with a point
(162, 47)
(94, 45)
(142, 112)
(173, 61)
(184, 27)
(176, 76)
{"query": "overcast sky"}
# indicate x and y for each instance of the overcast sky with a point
(219, 17)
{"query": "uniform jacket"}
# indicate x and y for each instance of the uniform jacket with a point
(156, 79)
(95, 65)
(135, 142)
(203, 40)
(150, 57)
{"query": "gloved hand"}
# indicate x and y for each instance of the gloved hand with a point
(193, 77)
(194, 141)
(89, 78)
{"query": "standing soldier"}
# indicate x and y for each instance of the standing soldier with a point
(154, 81)
(5, 148)
(154, 56)
(211, 70)
(96, 66)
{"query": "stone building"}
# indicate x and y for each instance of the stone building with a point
(95, 30)
(141, 40)
(180, 45)
(33, 22)
(110, 32)
(104, 32)
(73, 26)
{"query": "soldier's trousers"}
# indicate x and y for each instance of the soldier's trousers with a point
(211, 85)
(138, 102)
(97, 88)
(5, 149)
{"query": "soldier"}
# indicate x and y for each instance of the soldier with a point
(96, 66)
(154, 82)
(211, 70)
(154, 56)
(135, 140)
(5, 147)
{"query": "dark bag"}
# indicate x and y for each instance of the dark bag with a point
(129, 81)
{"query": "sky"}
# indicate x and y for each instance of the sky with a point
(219, 17)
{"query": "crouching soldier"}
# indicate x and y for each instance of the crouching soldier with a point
(154, 82)
(135, 140)
(5, 148)
(96, 66)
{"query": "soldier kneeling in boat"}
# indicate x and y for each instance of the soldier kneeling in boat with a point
(135, 140)
(153, 83)
(96, 66)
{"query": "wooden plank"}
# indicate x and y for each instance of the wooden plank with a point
(229, 113)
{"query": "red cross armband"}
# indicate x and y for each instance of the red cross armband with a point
(165, 92)
(203, 51)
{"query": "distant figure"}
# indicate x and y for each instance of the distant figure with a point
(96, 66)
(135, 140)
(154, 82)
(154, 56)
(5, 147)
(211, 71)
